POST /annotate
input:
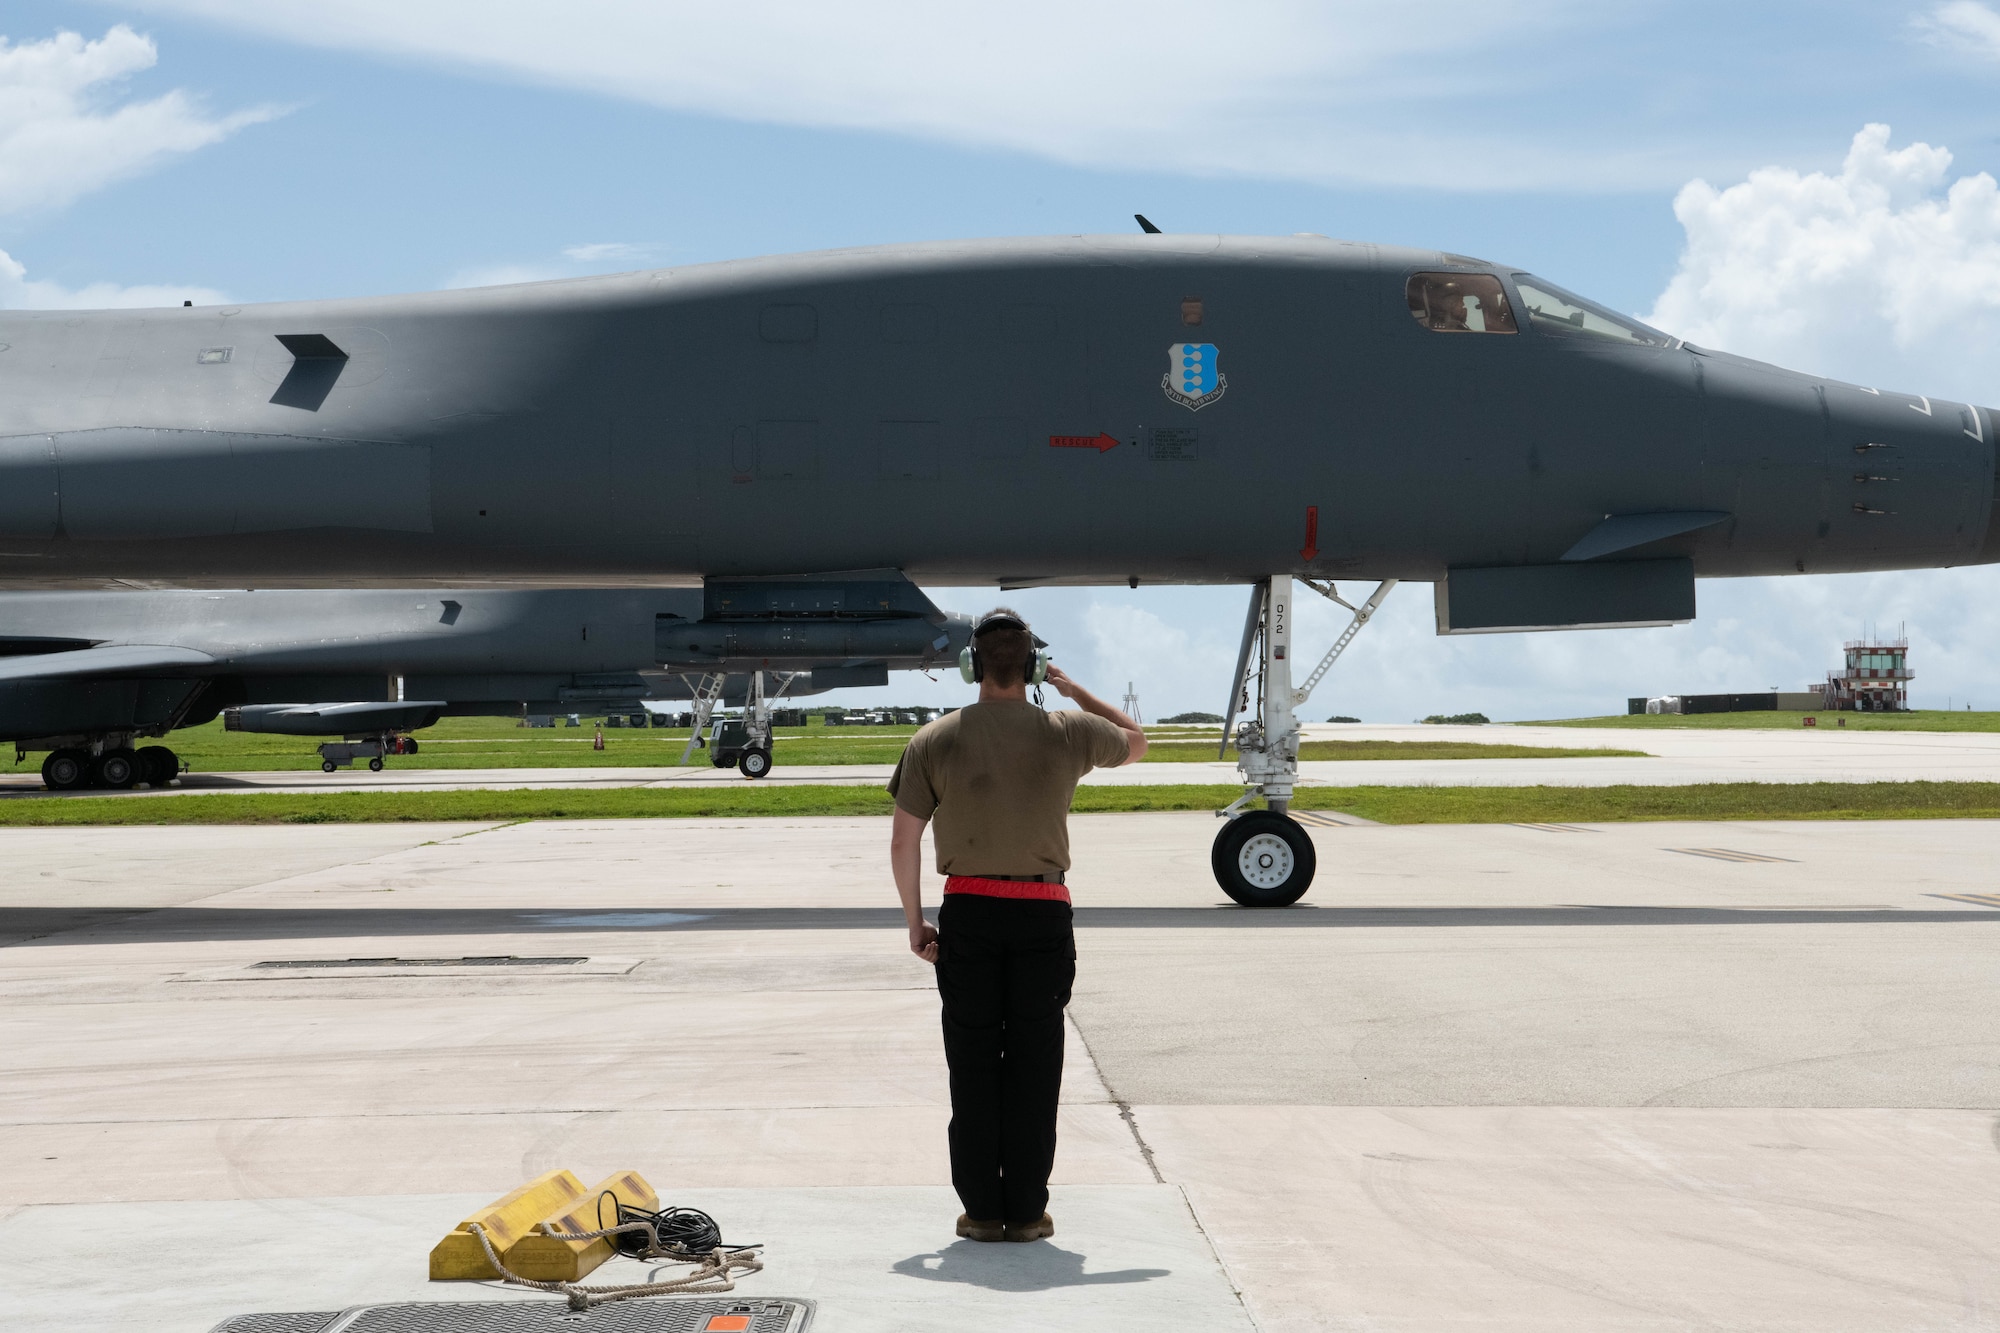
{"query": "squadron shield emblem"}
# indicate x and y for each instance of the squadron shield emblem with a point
(1192, 379)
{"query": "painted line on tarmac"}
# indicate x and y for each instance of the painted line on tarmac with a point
(1726, 854)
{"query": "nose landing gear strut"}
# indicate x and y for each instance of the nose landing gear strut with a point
(1262, 858)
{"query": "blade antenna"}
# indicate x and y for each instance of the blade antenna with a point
(1145, 225)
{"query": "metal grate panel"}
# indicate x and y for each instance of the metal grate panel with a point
(667, 1314)
(308, 1322)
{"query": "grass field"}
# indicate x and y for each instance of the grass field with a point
(1387, 805)
(1927, 719)
(1177, 751)
(498, 742)
(489, 742)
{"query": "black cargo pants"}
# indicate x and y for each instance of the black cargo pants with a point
(1004, 971)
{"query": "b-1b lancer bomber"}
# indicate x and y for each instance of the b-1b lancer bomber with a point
(83, 675)
(1079, 409)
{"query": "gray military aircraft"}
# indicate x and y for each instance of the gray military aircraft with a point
(1081, 409)
(85, 674)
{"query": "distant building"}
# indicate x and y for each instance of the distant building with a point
(1876, 678)
(1763, 702)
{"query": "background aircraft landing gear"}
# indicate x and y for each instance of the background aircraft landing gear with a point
(65, 770)
(1262, 858)
(158, 765)
(744, 742)
(116, 768)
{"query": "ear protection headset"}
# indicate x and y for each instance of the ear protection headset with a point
(972, 670)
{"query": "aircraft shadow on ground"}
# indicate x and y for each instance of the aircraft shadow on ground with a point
(1037, 1267)
(112, 925)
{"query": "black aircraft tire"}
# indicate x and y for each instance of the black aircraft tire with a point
(157, 765)
(754, 763)
(1263, 859)
(117, 769)
(65, 770)
(375, 764)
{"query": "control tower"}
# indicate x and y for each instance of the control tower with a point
(1876, 678)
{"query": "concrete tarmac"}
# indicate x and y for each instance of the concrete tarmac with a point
(1639, 1077)
(1676, 757)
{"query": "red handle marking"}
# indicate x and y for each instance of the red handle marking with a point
(1101, 441)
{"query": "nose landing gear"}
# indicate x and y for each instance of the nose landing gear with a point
(746, 741)
(1262, 858)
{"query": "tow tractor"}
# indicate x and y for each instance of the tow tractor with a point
(342, 754)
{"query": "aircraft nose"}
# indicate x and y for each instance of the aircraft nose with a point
(1910, 479)
(1989, 549)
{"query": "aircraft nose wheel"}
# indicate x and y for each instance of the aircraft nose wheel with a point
(754, 763)
(1263, 859)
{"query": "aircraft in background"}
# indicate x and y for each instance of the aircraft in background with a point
(1077, 409)
(84, 675)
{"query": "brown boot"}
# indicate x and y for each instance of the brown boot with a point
(971, 1230)
(1040, 1229)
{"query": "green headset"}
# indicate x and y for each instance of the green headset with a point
(972, 670)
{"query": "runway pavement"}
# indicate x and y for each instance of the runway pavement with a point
(1639, 1077)
(1671, 758)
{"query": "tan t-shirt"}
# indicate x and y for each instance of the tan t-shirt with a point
(996, 780)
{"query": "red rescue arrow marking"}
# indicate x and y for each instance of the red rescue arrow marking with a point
(1101, 441)
(1311, 548)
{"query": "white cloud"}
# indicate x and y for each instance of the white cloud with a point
(571, 262)
(1964, 25)
(1306, 89)
(1887, 274)
(19, 292)
(505, 274)
(60, 136)
(608, 252)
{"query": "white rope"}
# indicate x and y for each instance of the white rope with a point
(711, 1274)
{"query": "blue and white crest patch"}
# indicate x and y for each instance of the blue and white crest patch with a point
(1192, 379)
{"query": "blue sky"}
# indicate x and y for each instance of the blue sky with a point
(279, 150)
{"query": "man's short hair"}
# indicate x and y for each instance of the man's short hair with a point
(1003, 648)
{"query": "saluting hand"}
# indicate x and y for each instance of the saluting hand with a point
(1059, 678)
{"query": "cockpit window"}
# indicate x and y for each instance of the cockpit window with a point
(1553, 310)
(1460, 303)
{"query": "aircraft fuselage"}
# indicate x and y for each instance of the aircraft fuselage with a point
(1003, 411)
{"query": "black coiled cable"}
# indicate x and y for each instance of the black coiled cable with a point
(685, 1231)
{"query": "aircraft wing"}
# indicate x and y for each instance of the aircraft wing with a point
(125, 659)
